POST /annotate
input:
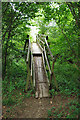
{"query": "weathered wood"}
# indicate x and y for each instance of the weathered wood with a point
(47, 60)
(40, 46)
(33, 75)
(42, 89)
(29, 71)
(26, 42)
(49, 49)
(28, 77)
(50, 53)
(31, 62)
(41, 41)
(28, 55)
(29, 45)
(45, 69)
(35, 49)
(53, 76)
(38, 70)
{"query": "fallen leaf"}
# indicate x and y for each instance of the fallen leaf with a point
(50, 102)
(4, 107)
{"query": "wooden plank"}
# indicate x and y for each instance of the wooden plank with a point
(35, 49)
(42, 89)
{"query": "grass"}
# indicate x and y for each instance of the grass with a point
(67, 78)
(68, 82)
(13, 89)
(69, 110)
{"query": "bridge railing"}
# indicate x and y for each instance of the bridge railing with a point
(42, 41)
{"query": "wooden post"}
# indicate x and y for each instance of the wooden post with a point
(27, 40)
(28, 62)
(33, 75)
(31, 68)
(53, 76)
(28, 77)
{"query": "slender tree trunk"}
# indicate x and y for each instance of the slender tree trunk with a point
(5, 58)
(7, 3)
(76, 17)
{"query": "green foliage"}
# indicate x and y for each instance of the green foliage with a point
(14, 81)
(29, 93)
(53, 92)
(61, 22)
(49, 113)
(15, 28)
(68, 79)
(69, 110)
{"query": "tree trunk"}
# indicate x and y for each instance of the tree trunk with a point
(5, 58)
(76, 17)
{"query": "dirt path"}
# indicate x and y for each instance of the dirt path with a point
(34, 108)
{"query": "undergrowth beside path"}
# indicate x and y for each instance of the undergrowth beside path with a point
(57, 107)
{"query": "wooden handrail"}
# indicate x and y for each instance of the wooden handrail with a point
(45, 42)
(33, 75)
(45, 69)
(29, 49)
(41, 41)
(47, 60)
(31, 63)
(41, 35)
(28, 55)
(40, 46)
(49, 49)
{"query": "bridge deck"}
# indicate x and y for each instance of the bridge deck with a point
(35, 49)
(42, 89)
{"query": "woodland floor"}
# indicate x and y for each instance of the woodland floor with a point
(35, 108)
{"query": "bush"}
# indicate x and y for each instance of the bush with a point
(67, 78)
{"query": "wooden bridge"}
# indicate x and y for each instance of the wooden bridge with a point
(40, 72)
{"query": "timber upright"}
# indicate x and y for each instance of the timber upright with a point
(37, 61)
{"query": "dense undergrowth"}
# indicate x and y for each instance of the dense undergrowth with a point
(14, 83)
(69, 110)
(67, 78)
